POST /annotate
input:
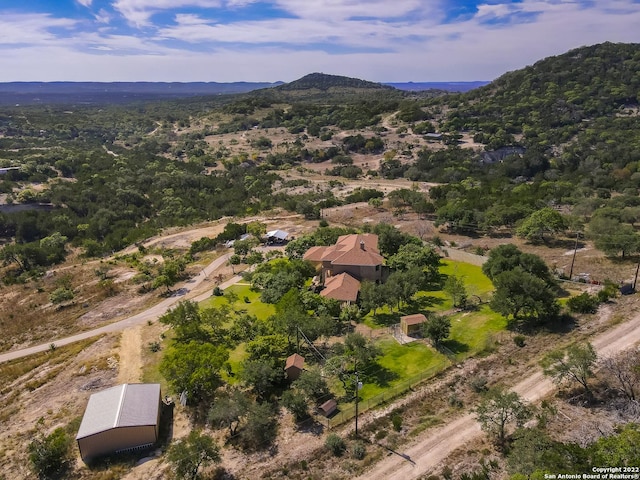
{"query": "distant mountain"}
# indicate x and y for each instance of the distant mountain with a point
(447, 86)
(29, 93)
(323, 81)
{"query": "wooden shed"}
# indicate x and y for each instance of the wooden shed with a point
(328, 407)
(122, 418)
(410, 324)
(294, 366)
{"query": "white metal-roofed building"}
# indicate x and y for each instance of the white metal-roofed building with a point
(277, 236)
(120, 418)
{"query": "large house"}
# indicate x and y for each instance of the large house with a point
(342, 266)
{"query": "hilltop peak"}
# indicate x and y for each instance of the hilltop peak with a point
(323, 81)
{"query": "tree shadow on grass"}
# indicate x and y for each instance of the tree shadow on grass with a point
(380, 376)
(454, 346)
(417, 304)
(386, 319)
(564, 323)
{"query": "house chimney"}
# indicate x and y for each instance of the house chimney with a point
(362, 245)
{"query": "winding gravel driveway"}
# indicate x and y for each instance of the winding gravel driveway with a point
(150, 314)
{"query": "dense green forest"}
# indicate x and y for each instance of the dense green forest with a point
(561, 133)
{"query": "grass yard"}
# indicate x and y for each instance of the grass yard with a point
(471, 331)
(255, 307)
(476, 282)
(236, 357)
(400, 363)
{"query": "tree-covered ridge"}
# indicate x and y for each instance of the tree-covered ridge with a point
(560, 132)
(563, 90)
(323, 81)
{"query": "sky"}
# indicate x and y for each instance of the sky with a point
(260, 40)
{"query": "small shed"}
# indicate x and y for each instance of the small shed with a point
(121, 418)
(294, 366)
(328, 407)
(410, 324)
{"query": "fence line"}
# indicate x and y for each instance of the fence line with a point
(462, 256)
(349, 412)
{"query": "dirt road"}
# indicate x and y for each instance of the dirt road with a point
(427, 453)
(150, 314)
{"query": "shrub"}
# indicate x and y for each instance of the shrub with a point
(454, 401)
(358, 450)
(381, 434)
(583, 303)
(609, 291)
(61, 294)
(49, 455)
(478, 384)
(519, 340)
(335, 444)
(218, 292)
(396, 420)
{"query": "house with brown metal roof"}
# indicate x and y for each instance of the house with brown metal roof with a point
(352, 259)
(342, 287)
(357, 255)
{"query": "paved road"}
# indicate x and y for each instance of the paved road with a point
(150, 314)
(427, 453)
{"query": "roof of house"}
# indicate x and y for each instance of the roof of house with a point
(415, 319)
(315, 254)
(294, 360)
(279, 234)
(359, 256)
(357, 249)
(126, 405)
(341, 287)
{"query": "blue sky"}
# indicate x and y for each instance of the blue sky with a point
(259, 40)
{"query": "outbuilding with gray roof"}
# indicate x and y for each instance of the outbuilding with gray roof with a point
(121, 418)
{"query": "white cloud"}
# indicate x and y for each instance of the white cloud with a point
(371, 34)
(343, 9)
(138, 12)
(30, 29)
(85, 3)
(419, 49)
(103, 16)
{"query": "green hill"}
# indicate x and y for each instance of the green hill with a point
(324, 82)
(554, 93)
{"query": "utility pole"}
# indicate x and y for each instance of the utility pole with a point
(575, 251)
(358, 387)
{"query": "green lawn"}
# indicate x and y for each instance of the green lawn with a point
(399, 363)
(236, 357)
(254, 307)
(471, 331)
(476, 282)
